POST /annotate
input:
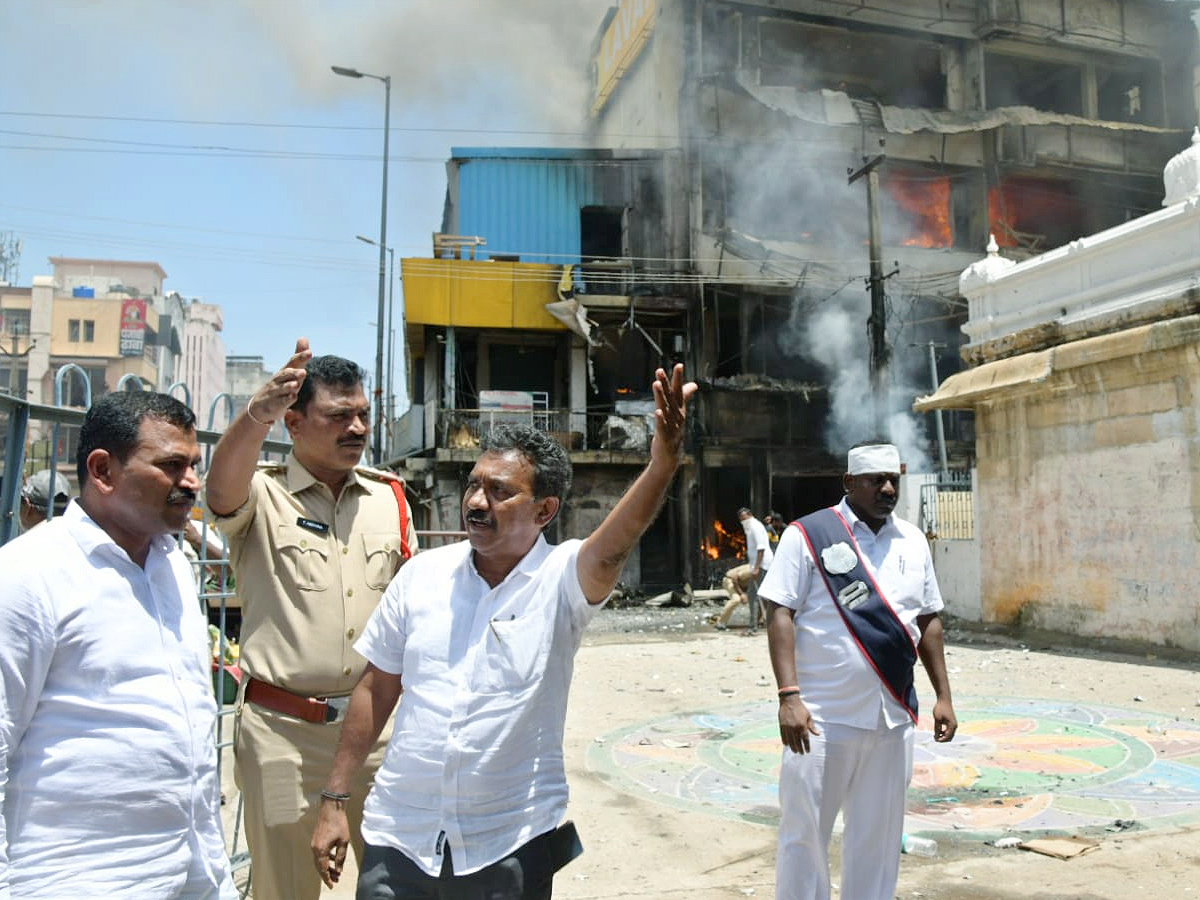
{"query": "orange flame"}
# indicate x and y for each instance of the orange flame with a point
(1025, 210)
(724, 543)
(924, 205)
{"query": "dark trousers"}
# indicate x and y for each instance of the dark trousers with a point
(755, 604)
(525, 874)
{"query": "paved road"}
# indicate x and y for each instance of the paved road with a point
(671, 754)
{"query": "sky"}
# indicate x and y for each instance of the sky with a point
(214, 139)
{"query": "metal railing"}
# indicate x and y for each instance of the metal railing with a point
(948, 507)
(461, 429)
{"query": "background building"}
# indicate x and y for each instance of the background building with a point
(112, 320)
(203, 362)
(244, 375)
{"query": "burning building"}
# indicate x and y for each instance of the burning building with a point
(1037, 121)
(719, 227)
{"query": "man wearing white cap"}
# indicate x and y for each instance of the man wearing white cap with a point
(37, 497)
(852, 602)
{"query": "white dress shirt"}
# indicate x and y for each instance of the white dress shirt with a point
(756, 539)
(837, 684)
(107, 762)
(476, 755)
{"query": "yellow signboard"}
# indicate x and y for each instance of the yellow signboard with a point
(627, 34)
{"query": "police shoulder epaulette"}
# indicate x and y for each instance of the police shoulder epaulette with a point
(272, 466)
(378, 474)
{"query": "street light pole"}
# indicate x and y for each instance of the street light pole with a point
(389, 396)
(377, 450)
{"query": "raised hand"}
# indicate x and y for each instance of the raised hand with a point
(671, 398)
(273, 399)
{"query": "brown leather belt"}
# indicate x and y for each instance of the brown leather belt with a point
(320, 710)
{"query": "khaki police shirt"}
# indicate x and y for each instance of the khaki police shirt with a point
(309, 572)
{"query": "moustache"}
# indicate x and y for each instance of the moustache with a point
(180, 496)
(477, 518)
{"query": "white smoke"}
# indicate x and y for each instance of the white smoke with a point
(834, 336)
(523, 57)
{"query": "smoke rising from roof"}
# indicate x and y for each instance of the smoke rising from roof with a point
(529, 57)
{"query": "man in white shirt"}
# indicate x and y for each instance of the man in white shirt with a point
(107, 762)
(758, 557)
(482, 635)
(852, 602)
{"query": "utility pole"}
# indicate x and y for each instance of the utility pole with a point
(878, 319)
(937, 413)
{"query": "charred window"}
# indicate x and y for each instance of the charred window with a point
(602, 232)
(521, 367)
(1129, 92)
(931, 206)
(871, 65)
(1036, 214)
(729, 334)
(1020, 81)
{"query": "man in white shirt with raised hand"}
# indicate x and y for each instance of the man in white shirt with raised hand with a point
(758, 557)
(482, 637)
(107, 762)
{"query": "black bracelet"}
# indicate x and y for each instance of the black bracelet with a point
(789, 692)
(334, 796)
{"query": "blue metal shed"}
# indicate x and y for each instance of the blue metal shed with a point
(524, 201)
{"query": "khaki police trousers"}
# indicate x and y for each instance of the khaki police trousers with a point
(281, 765)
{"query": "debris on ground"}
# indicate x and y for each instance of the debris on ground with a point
(1061, 848)
(1122, 825)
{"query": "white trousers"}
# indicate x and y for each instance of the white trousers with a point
(865, 775)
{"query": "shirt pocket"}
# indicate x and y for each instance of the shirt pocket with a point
(515, 653)
(382, 553)
(303, 557)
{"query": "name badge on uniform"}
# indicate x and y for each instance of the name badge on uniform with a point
(853, 594)
(313, 525)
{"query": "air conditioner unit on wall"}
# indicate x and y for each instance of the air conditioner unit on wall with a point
(997, 17)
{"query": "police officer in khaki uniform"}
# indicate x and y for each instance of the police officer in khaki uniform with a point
(313, 542)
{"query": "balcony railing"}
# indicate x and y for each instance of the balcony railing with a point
(461, 429)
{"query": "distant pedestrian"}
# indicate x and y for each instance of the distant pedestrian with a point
(852, 602)
(758, 557)
(775, 524)
(108, 770)
(37, 498)
(735, 583)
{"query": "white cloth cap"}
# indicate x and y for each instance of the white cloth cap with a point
(873, 458)
(37, 490)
